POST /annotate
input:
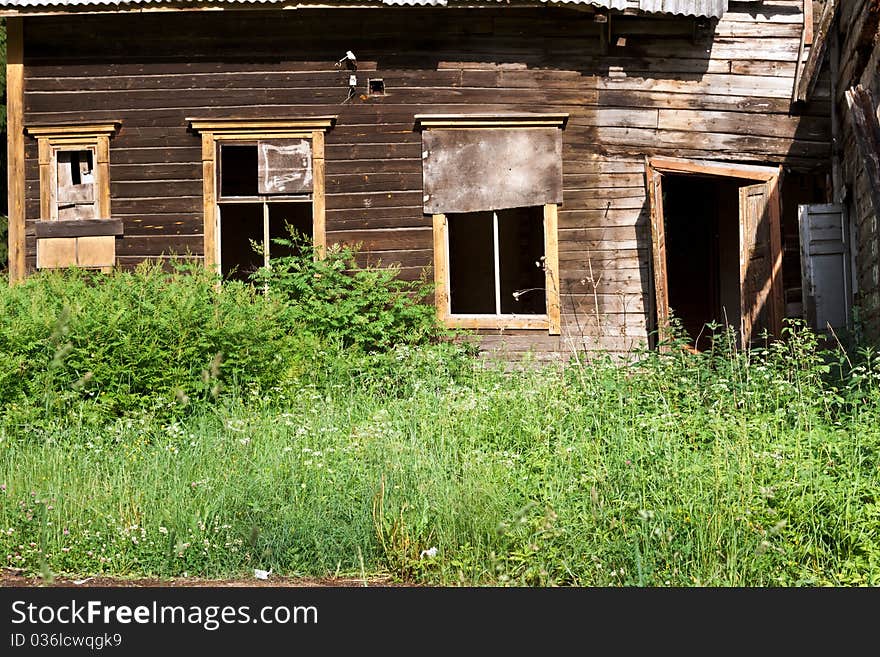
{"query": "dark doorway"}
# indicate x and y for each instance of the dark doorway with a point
(701, 215)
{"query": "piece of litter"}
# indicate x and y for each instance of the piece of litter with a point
(82, 581)
(262, 574)
(430, 552)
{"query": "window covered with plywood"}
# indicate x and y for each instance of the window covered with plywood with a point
(492, 184)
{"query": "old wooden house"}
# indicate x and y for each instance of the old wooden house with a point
(570, 173)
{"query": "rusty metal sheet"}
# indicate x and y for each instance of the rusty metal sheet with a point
(470, 170)
(285, 166)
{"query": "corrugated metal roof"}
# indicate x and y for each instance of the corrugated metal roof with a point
(707, 8)
(713, 8)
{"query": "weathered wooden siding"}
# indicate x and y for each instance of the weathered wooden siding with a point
(859, 63)
(722, 95)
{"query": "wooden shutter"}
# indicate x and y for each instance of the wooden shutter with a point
(658, 244)
(760, 260)
(826, 267)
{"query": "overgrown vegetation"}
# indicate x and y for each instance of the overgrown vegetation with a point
(316, 447)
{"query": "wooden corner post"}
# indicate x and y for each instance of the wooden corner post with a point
(15, 145)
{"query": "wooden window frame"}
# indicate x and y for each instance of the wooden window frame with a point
(550, 321)
(215, 132)
(87, 243)
(655, 168)
(54, 139)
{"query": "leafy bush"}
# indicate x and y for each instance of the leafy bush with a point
(132, 340)
(365, 307)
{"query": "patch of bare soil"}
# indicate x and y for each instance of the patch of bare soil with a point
(9, 578)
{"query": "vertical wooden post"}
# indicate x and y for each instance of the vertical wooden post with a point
(777, 296)
(441, 268)
(15, 145)
(209, 205)
(103, 177)
(47, 181)
(551, 267)
(319, 206)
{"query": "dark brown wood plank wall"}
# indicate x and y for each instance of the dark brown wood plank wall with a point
(721, 94)
(859, 63)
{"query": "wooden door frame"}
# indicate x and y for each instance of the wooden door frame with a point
(655, 168)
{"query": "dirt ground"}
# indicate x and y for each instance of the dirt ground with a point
(10, 578)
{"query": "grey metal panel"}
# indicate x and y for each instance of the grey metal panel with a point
(471, 170)
(826, 275)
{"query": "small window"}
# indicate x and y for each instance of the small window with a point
(261, 176)
(75, 185)
(75, 226)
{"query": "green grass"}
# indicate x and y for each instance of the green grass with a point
(667, 475)
(720, 469)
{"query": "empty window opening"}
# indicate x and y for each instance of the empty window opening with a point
(496, 262)
(241, 227)
(249, 232)
(238, 170)
(701, 217)
(75, 190)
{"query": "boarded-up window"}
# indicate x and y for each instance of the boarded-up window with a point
(75, 190)
(75, 226)
(474, 170)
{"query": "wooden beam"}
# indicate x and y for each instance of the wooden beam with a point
(863, 113)
(808, 22)
(683, 165)
(15, 146)
(807, 80)
(209, 205)
(551, 267)
(79, 228)
(441, 268)
(47, 181)
(74, 130)
(777, 296)
(268, 126)
(457, 121)
(319, 205)
(102, 182)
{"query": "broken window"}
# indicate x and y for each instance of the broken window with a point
(493, 185)
(75, 191)
(75, 226)
(265, 194)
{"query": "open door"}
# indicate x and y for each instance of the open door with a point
(826, 266)
(749, 195)
(760, 260)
